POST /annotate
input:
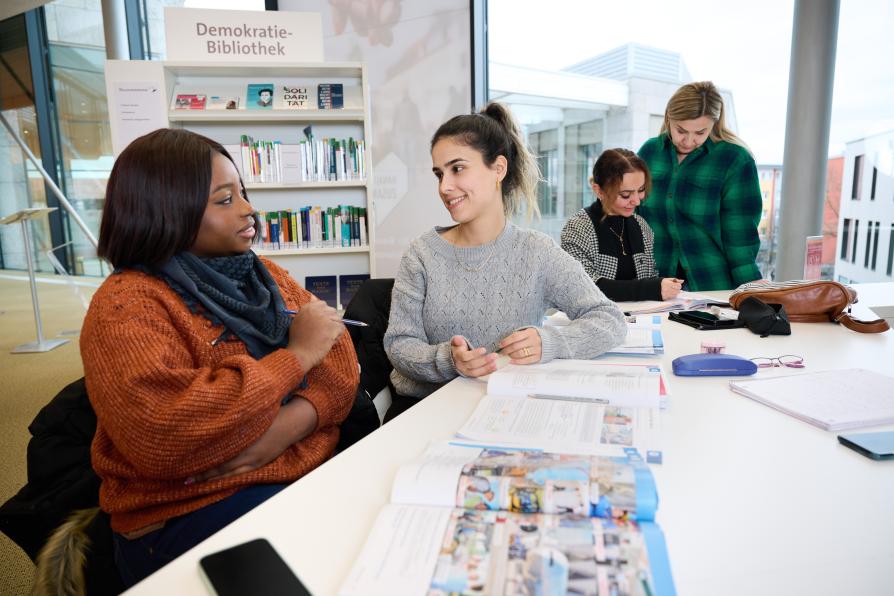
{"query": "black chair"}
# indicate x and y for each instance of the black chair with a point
(61, 480)
(372, 305)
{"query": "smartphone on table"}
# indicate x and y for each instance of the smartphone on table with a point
(250, 568)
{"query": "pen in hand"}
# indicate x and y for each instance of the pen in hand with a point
(345, 321)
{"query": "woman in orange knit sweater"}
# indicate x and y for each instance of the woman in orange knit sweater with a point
(216, 379)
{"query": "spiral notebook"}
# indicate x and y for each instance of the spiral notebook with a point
(832, 400)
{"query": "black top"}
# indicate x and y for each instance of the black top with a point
(626, 286)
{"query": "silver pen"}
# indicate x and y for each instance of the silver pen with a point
(345, 321)
(589, 400)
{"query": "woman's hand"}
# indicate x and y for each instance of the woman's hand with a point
(471, 363)
(523, 347)
(315, 328)
(293, 422)
(670, 287)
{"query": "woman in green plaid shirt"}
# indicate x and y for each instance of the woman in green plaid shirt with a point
(706, 201)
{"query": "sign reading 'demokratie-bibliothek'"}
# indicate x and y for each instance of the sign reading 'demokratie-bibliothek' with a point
(242, 35)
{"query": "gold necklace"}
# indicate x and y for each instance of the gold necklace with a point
(620, 236)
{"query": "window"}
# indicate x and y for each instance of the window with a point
(548, 188)
(858, 178)
(868, 244)
(77, 61)
(588, 156)
(854, 244)
(875, 244)
(20, 184)
(874, 181)
(845, 232)
(152, 17)
(891, 250)
(621, 79)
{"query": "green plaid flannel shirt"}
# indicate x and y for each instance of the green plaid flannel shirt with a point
(704, 212)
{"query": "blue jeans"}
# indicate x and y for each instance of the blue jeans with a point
(140, 557)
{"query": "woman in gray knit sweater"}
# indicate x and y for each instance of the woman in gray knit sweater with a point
(465, 292)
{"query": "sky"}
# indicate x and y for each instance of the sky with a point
(744, 47)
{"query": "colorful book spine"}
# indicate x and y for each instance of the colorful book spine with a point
(313, 226)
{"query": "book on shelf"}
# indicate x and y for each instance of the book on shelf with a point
(330, 96)
(331, 159)
(295, 97)
(323, 287)
(683, 301)
(348, 286)
(498, 521)
(313, 227)
(832, 400)
(261, 160)
(223, 102)
(189, 101)
(259, 96)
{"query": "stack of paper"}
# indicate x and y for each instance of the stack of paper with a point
(833, 400)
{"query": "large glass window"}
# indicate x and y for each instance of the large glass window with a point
(77, 58)
(152, 16)
(20, 183)
(577, 92)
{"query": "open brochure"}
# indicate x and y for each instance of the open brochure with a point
(683, 301)
(643, 336)
(473, 521)
(632, 384)
(563, 426)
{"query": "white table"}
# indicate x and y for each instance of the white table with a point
(752, 501)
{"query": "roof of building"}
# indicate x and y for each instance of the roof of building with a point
(635, 60)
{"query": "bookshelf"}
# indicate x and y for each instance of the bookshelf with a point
(287, 126)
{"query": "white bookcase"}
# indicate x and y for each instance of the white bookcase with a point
(286, 125)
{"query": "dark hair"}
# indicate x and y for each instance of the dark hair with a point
(610, 167)
(156, 196)
(493, 132)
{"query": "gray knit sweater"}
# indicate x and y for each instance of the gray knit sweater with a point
(484, 293)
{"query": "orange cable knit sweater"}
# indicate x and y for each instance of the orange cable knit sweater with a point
(169, 404)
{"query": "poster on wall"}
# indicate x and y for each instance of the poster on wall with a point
(419, 70)
(140, 109)
(813, 257)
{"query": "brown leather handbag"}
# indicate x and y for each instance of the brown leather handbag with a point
(810, 302)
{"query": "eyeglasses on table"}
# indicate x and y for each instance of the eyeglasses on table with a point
(789, 360)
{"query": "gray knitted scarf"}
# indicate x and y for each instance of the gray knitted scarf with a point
(237, 292)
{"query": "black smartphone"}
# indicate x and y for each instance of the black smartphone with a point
(879, 445)
(250, 568)
(702, 320)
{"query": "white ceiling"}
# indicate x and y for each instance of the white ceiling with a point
(10, 8)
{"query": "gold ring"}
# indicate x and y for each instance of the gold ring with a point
(526, 351)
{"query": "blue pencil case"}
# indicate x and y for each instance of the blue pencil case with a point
(713, 365)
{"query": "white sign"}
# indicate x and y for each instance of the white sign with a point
(140, 109)
(196, 34)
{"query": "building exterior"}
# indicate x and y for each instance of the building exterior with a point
(865, 251)
(831, 208)
(770, 180)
